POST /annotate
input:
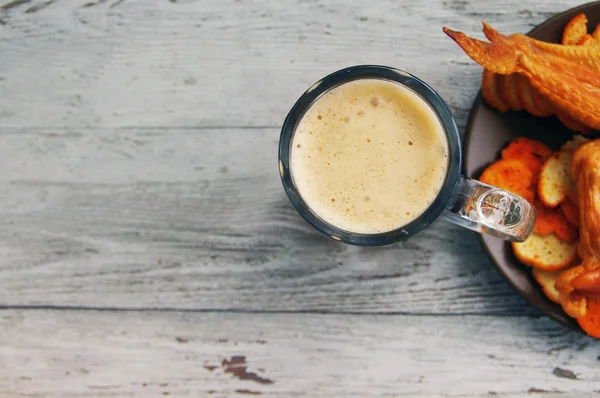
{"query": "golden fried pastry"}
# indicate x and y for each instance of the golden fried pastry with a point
(582, 282)
(585, 169)
(575, 31)
(567, 76)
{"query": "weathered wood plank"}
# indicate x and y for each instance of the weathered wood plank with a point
(225, 62)
(89, 353)
(190, 218)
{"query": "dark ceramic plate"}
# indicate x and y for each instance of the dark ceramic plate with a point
(488, 131)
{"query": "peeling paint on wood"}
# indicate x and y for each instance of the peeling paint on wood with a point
(564, 373)
(12, 4)
(40, 6)
(132, 353)
(138, 142)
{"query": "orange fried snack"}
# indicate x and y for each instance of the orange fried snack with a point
(578, 284)
(585, 168)
(508, 90)
(533, 153)
(533, 102)
(543, 106)
(590, 322)
(596, 34)
(547, 253)
(565, 75)
(586, 40)
(588, 281)
(552, 221)
(512, 175)
(555, 183)
(490, 90)
(575, 30)
(570, 211)
(572, 301)
(528, 97)
(571, 123)
(547, 279)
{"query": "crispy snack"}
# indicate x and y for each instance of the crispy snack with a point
(586, 40)
(525, 93)
(532, 152)
(542, 104)
(571, 212)
(590, 322)
(489, 89)
(525, 96)
(572, 302)
(547, 279)
(575, 142)
(571, 123)
(596, 34)
(547, 253)
(563, 282)
(585, 169)
(588, 281)
(552, 221)
(579, 286)
(575, 30)
(508, 91)
(566, 75)
(556, 183)
(512, 175)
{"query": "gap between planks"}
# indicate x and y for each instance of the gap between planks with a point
(9, 307)
(67, 353)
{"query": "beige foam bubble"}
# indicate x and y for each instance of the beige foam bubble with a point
(369, 156)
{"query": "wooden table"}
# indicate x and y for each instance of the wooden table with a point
(147, 247)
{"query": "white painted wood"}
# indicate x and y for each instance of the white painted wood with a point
(198, 219)
(90, 353)
(226, 62)
(138, 151)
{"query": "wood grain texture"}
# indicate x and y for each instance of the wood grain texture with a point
(138, 144)
(197, 218)
(226, 62)
(90, 353)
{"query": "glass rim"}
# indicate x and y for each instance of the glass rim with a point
(427, 94)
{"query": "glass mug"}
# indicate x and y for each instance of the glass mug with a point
(469, 203)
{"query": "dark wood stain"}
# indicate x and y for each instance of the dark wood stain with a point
(236, 365)
(534, 390)
(248, 392)
(385, 276)
(38, 7)
(233, 361)
(564, 373)
(93, 3)
(14, 3)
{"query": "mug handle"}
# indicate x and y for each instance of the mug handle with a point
(490, 210)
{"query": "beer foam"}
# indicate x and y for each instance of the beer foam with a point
(369, 156)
